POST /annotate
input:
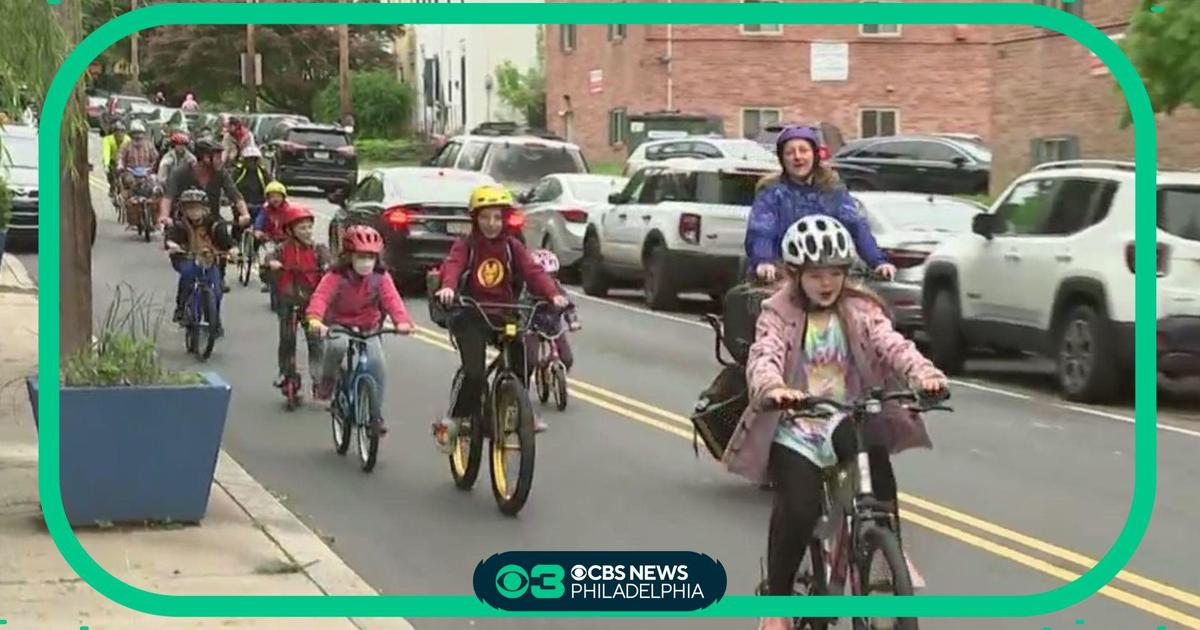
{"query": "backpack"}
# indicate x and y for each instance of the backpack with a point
(742, 305)
(433, 282)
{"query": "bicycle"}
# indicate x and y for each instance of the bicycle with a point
(294, 317)
(855, 526)
(201, 315)
(141, 199)
(356, 404)
(249, 247)
(504, 392)
(550, 374)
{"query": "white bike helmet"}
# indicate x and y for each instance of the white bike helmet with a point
(818, 241)
(137, 127)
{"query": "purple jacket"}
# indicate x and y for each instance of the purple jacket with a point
(879, 357)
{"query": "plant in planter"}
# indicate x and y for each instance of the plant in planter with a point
(137, 442)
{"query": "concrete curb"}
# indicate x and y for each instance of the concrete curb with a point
(321, 565)
(14, 278)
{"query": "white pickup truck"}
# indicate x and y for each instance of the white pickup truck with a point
(678, 226)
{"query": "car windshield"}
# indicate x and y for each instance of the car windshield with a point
(594, 190)
(1179, 212)
(747, 150)
(923, 215)
(728, 189)
(528, 163)
(19, 152)
(316, 138)
(431, 188)
(976, 150)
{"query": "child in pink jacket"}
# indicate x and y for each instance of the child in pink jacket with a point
(356, 293)
(817, 336)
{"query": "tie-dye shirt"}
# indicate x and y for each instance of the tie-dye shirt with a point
(826, 365)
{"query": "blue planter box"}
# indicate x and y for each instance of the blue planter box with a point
(133, 454)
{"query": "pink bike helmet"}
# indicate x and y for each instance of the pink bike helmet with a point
(547, 260)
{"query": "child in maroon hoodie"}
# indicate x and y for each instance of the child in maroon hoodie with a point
(486, 266)
(357, 293)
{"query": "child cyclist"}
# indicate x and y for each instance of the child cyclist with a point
(298, 264)
(198, 231)
(486, 266)
(268, 223)
(550, 321)
(357, 293)
(820, 336)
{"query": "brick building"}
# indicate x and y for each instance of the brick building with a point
(883, 79)
(1052, 99)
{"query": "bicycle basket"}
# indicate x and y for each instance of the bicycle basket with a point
(742, 305)
(719, 409)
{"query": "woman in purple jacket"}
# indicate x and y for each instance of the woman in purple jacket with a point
(819, 336)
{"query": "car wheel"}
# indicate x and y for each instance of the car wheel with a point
(658, 287)
(1087, 370)
(947, 345)
(594, 280)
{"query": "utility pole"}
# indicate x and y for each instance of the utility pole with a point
(77, 219)
(135, 66)
(252, 65)
(344, 70)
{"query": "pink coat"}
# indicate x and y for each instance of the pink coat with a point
(880, 356)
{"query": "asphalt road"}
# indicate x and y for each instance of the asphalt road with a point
(1018, 496)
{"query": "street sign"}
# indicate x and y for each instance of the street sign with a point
(246, 70)
(596, 81)
(1098, 68)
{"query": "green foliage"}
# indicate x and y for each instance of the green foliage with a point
(126, 349)
(525, 93)
(375, 151)
(381, 104)
(5, 204)
(1163, 48)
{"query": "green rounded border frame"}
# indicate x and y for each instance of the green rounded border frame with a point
(1145, 431)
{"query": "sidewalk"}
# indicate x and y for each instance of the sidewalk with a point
(249, 543)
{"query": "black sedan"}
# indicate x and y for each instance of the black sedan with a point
(420, 211)
(320, 156)
(921, 164)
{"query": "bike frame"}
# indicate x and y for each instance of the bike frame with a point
(501, 366)
(354, 368)
(200, 283)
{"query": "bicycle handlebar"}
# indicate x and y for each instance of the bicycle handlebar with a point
(358, 336)
(466, 302)
(810, 406)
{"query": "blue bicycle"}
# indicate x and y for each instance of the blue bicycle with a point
(201, 317)
(356, 404)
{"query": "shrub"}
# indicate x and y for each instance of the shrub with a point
(381, 104)
(390, 151)
(5, 203)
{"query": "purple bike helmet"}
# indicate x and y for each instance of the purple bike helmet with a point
(799, 133)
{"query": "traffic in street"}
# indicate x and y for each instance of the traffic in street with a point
(1018, 496)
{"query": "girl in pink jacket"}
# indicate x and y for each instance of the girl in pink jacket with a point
(818, 336)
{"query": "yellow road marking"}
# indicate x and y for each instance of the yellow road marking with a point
(594, 394)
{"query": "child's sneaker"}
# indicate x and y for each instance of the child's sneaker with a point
(445, 432)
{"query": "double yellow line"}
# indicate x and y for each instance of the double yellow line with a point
(983, 535)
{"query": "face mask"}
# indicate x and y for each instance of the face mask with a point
(364, 266)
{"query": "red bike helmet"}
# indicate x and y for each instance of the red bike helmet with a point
(362, 239)
(293, 214)
(179, 138)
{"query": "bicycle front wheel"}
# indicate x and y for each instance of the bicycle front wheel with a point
(881, 570)
(366, 411)
(468, 444)
(207, 327)
(512, 446)
(558, 373)
(339, 422)
(542, 376)
(246, 262)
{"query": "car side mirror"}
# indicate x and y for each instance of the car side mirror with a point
(616, 199)
(987, 225)
(337, 197)
(959, 161)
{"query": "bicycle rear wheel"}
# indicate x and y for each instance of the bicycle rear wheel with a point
(810, 580)
(366, 411)
(147, 223)
(881, 570)
(468, 445)
(558, 373)
(541, 375)
(512, 437)
(246, 261)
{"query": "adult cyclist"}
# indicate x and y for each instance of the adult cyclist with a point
(178, 155)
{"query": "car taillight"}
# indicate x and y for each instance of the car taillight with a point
(905, 258)
(1162, 255)
(516, 220)
(397, 217)
(347, 151)
(290, 147)
(574, 216)
(689, 228)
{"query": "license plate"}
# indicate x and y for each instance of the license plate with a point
(460, 229)
(321, 155)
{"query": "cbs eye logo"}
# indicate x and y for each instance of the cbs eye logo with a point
(544, 581)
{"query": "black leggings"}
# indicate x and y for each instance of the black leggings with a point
(798, 496)
(471, 334)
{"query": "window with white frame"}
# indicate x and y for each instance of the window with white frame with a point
(1055, 149)
(878, 121)
(617, 32)
(754, 120)
(878, 30)
(1074, 7)
(567, 37)
(761, 29)
(617, 123)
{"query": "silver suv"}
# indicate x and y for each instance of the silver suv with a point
(518, 161)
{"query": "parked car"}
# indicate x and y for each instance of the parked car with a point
(829, 134)
(95, 112)
(699, 147)
(120, 104)
(1049, 270)
(518, 161)
(677, 226)
(418, 210)
(19, 168)
(313, 155)
(263, 125)
(558, 209)
(925, 164)
(908, 227)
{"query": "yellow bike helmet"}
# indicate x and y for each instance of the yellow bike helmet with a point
(276, 187)
(490, 195)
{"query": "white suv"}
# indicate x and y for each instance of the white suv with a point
(1049, 270)
(517, 160)
(678, 226)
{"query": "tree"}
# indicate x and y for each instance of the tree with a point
(1162, 46)
(525, 93)
(297, 60)
(34, 40)
(381, 104)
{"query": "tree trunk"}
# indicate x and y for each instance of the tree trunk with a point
(76, 216)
